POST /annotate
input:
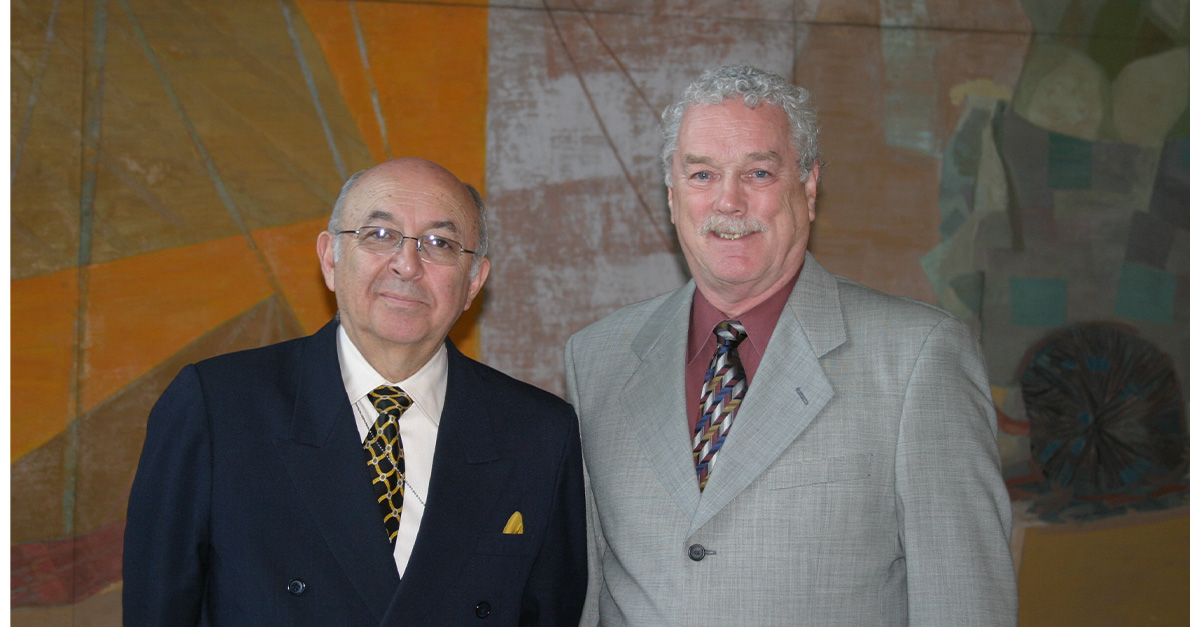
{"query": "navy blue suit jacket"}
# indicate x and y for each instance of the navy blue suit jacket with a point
(252, 503)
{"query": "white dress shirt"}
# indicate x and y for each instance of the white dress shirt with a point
(418, 429)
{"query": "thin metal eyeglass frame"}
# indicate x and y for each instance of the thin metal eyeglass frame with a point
(421, 252)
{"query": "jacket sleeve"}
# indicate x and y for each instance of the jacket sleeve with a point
(954, 511)
(595, 540)
(167, 529)
(558, 578)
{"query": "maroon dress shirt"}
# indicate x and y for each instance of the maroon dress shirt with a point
(702, 342)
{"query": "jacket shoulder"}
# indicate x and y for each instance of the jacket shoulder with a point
(255, 362)
(507, 387)
(859, 300)
(627, 320)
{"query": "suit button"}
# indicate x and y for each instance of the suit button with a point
(296, 587)
(697, 552)
(483, 609)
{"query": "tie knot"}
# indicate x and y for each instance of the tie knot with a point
(389, 399)
(730, 333)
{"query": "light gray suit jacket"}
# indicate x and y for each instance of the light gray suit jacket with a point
(859, 485)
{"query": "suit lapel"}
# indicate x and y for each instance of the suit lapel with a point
(468, 476)
(323, 455)
(652, 399)
(788, 392)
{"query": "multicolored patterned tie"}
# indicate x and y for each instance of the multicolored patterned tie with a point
(724, 387)
(385, 454)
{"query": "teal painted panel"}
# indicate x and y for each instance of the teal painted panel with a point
(1070, 162)
(1145, 294)
(1038, 302)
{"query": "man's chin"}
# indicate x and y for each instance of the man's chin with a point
(734, 271)
(399, 338)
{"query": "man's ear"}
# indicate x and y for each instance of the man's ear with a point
(325, 255)
(485, 266)
(810, 190)
(671, 203)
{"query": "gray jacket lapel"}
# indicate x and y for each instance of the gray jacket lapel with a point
(653, 402)
(789, 390)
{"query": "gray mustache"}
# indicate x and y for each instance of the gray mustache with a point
(729, 225)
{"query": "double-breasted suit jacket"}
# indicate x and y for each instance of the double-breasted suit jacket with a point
(859, 484)
(252, 503)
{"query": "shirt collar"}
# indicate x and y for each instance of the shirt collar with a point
(426, 387)
(759, 322)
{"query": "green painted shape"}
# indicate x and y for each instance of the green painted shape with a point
(1038, 302)
(1070, 162)
(1114, 39)
(931, 263)
(969, 288)
(1182, 127)
(1145, 294)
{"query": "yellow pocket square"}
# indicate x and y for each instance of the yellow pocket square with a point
(515, 524)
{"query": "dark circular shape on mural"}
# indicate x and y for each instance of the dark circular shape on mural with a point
(1105, 410)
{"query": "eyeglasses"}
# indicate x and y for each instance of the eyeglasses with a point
(380, 240)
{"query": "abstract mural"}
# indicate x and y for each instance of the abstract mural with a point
(1023, 164)
(1065, 243)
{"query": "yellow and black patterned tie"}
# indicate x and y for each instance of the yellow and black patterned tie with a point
(385, 454)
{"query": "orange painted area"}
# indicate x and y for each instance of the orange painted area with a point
(143, 309)
(333, 25)
(42, 336)
(292, 252)
(1130, 575)
(465, 333)
(428, 63)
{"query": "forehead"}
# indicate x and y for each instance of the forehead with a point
(410, 202)
(734, 129)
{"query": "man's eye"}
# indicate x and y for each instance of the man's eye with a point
(379, 235)
(702, 176)
(760, 174)
(438, 242)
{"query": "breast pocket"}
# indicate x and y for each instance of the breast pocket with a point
(815, 471)
(507, 544)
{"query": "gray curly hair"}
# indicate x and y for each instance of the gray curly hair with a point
(753, 86)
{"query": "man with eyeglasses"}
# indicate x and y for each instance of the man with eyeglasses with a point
(369, 474)
(772, 444)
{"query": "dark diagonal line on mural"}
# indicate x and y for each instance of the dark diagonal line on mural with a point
(312, 90)
(366, 63)
(205, 158)
(94, 63)
(629, 77)
(34, 88)
(666, 241)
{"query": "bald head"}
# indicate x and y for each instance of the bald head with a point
(414, 173)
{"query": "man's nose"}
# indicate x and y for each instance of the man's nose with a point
(406, 262)
(731, 198)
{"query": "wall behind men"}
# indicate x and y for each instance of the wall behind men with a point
(1021, 164)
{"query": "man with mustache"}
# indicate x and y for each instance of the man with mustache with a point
(369, 474)
(772, 444)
